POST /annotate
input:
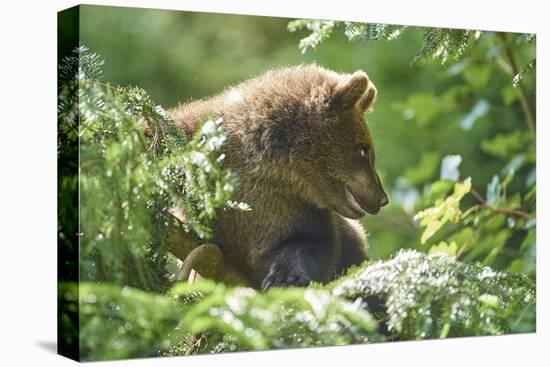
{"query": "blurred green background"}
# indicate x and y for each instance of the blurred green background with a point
(425, 111)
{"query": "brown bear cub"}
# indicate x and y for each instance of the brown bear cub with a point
(298, 143)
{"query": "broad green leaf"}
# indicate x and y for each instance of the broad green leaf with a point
(445, 211)
(440, 188)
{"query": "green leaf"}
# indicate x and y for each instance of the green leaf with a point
(506, 145)
(462, 188)
(445, 248)
(439, 189)
(490, 300)
(444, 211)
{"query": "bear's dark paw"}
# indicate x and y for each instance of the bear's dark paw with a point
(284, 277)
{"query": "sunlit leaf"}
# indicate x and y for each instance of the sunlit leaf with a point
(445, 248)
(444, 211)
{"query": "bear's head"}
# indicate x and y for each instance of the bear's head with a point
(305, 129)
(335, 159)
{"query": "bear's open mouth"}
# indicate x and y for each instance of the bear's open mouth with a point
(353, 201)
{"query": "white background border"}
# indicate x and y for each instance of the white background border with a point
(28, 181)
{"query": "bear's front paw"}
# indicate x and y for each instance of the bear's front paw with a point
(282, 276)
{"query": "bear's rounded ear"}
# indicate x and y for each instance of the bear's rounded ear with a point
(347, 92)
(367, 99)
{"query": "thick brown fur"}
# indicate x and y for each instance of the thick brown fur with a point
(298, 143)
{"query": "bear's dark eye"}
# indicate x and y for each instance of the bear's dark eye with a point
(364, 151)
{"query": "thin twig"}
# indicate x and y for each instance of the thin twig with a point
(512, 211)
(478, 196)
(483, 204)
(106, 85)
(525, 105)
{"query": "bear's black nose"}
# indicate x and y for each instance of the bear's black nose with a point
(383, 200)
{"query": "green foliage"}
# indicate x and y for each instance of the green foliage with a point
(443, 44)
(446, 44)
(435, 296)
(80, 64)
(423, 108)
(278, 318)
(444, 211)
(492, 229)
(486, 230)
(445, 248)
(124, 322)
(424, 296)
(498, 229)
(371, 31)
(129, 182)
(439, 43)
(507, 145)
(530, 66)
(320, 31)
